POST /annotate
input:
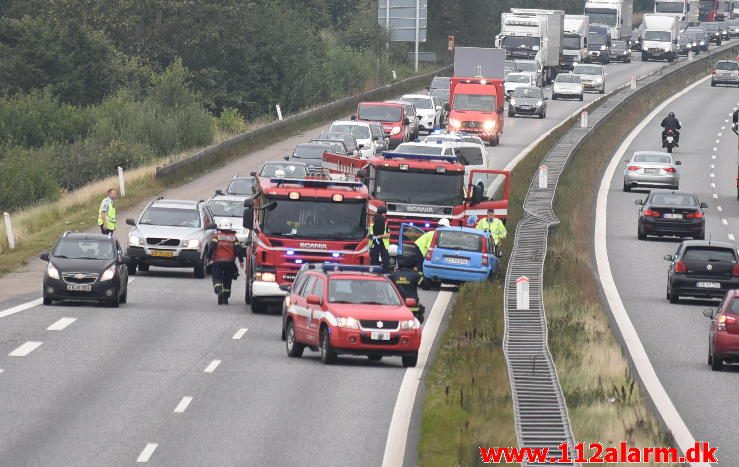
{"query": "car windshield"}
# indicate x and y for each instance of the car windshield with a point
(618, 45)
(699, 33)
(727, 66)
(226, 208)
(520, 42)
(657, 158)
(710, 27)
(605, 16)
(685, 38)
(440, 82)
(658, 36)
(587, 70)
(571, 42)
(420, 102)
(533, 93)
(415, 149)
(469, 156)
(474, 102)
(70, 248)
(347, 138)
(669, 7)
(595, 39)
(171, 217)
(441, 94)
(241, 186)
(402, 186)
(457, 240)
(709, 255)
(288, 170)
(517, 78)
(568, 78)
(309, 151)
(362, 291)
(673, 199)
(358, 131)
(380, 113)
(324, 219)
(526, 66)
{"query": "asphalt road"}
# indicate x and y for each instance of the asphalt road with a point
(114, 386)
(676, 336)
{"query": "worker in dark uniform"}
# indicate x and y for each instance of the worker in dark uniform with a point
(380, 240)
(407, 279)
(223, 250)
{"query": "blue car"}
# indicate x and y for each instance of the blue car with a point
(457, 254)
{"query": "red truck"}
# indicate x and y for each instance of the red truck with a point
(299, 221)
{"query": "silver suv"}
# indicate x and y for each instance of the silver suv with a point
(171, 233)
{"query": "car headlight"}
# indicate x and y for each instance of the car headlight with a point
(575, 63)
(192, 244)
(265, 276)
(108, 274)
(602, 47)
(453, 122)
(703, 43)
(513, 101)
(488, 125)
(52, 271)
(409, 324)
(539, 103)
(694, 44)
(395, 130)
(134, 240)
(598, 79)
(348, 323)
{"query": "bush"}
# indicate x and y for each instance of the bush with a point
(230, 121)
(26, 178)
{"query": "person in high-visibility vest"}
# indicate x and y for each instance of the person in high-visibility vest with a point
(494, 226)
(106, 213)
(223, 250)
(380, 240)
(423, 243)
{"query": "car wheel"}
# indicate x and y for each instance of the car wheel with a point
(627, 187)
(374, 358)
(543, 115)
(710, 356)
(199, 270)
(716, 363)
(47, 300)
(143, 267)
(258, 306)
(294, 349)
(328, 355)
(124, 297)
(581, 97)
(131, 269)
(248, 299)
(411, 360)
(673, 297)
(713, 84)
(554, 97)
(640, 234)
(511, 113)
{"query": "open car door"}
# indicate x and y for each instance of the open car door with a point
(488, 189)
(407, 239)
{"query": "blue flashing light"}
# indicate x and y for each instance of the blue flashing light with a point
(427, 225)
(298, 261)
(290, 252)
(419, 157)
(336, 255)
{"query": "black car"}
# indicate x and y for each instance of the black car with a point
(702, 269)
(672, 213)
(687, 42)
(724, 28)
(620, 52)
(86, 267)
(311, 154)
(713, 32)
(701, 36)
(349, 140)
(528, 100)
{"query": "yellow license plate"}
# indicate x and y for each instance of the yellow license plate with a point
(162, 254)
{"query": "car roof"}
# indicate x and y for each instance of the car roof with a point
(656, 153)
(470, 230)
(416, 96)
(298, 163)
(382, 104)
(714, 243)
(85, 236)
(350, 122)
(533, 88)
(319, 144)
(175, 203)
(520, 73)
(227, 198)
(400, 102)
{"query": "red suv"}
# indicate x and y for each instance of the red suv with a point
(395, 121)
(723, 339)
(352, 310)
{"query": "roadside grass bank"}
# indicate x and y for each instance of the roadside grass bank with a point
(37, 227)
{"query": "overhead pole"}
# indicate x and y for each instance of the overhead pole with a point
(418, 30)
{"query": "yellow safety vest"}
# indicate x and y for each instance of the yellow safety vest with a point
(424, 242)
(109, 214)
(496, 228)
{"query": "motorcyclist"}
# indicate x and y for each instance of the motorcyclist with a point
(670, 122)
(407, 279)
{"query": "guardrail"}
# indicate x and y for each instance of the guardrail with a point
(293, 122)
(540, 411)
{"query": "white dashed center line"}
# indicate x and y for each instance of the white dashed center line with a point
(25, 349)
(19, 308)
(240, 333)
(713, 185)
(1, 370)
(719, 208)
(147, 452)
(61, 324)
(212, 366)
(724, 221)
(182, 406)
(731, 237)
(715, 196)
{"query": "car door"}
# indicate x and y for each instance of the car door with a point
(300, 309)
(122, 269)
(408, 235)
(488, 189)
(315, 311)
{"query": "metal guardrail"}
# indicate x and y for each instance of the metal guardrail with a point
(540, 411)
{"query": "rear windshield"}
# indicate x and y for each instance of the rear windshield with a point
(727, 66)
(567, 79)
(440, 82)
(657, 158)
(709, 255)
(453, 240)
(587, 70)
(420, 102)
(518, 78)
(526, 66)
(669, 199)
(469, 156)
(309, 151)
(379, 113)
(413, 149)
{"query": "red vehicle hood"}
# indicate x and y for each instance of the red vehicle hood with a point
(370, 312)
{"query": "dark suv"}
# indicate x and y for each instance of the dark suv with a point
(86, 267)
(702, 269)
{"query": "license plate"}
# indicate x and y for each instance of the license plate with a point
(380, 336)
(673, 216)
(708, 285)
(669, 139)
(651, 171)
(456, 260)
(79, 287)
(162, 254)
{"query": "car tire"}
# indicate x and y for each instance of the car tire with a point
(602, 91)
(258, 306)
(627, 188)
(543, 115)
(199, 270)
(713, 84)
(410, 361)
(673, 297)
(131, 269)
(554, 97)
(643, 57)
(716, 363)
(124, 297)
(374, 358)
(640, 234)
(328, 354)
(143, 267)
(46, 300)
(511, 113)
(293, 348)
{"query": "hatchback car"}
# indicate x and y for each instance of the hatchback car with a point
(713, 32)
(619, 52)
(528, 101)
(412, 114)
(672, 213)
(567, 85)
(723, 336)
(171, 233)
(593, 77)
(353, 310)
(725, 72)
(362, 134)
(350, 142)
(702, 269)
(310, 154)
(86, 267)
(532, 67)
(429, 111)
(516, 80)
(228, 213)
(701, 36)
(649, 168)
(687, 42)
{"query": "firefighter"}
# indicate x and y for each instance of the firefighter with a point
(407, 279)
(380, 240)
(223, 250)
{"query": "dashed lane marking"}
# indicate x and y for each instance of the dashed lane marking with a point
(61, 324)
(212, 366)
(19, 308)
(719, 208)
(182, 406)
(146, 453)
(240, 333)
(724, 221)
(25, 349)
(731, 237)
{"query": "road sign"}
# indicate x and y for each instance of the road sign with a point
(543, 177)
(405, 16)
(522, 293)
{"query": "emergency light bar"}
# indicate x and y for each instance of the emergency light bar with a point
(316, 183)
(419, 157)
(336, 267)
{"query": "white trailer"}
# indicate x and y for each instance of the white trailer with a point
(659, 35)
(677, 8)
(575, 41)
(616, 14)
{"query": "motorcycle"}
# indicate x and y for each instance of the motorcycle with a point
(668, 139)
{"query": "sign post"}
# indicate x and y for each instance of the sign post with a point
(543, 177)
(584, 119)
(121, 182)
(633, 82)
(279, 112)
(522, 293)
(9, 231)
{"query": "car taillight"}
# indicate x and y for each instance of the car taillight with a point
(670, 170)
(694, 215)
(723, 321)
(651, 213)
(714, 72)
(735, 270)
(680, 267)
(429, 254)
(484, 259)
(633, 168)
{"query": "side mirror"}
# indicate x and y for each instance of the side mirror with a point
(678, 163)
(438, 107)
(313, 300)
(248, 202)
(411, 302)
(361, 146)
(354, 118)
(44, 256)
(131, 222)
(285, 287)
(124, 260)
(253, 174)
(704, 205)
(248, 221)
(406, 121)
(639, 202)
(211, 227)
(668, 258)
(219, 192)
(708, 313)
(287, 158)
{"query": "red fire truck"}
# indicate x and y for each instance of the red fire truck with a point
(298, 221)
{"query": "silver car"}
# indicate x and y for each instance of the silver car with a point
(651, 168)
(567, 85)
(725, 72)
(228, 212)
(593, 77)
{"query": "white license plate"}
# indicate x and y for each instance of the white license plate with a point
(651, 171)
(669, 139)
(462, 261)
(673, 216)
(79, 287)
(380, 336)
(708, 285)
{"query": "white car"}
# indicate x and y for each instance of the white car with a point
(427, 108)
(567, 85)
(593, 77)
(228, 212)
(517, 80)
(454, 138)
(361, 132)
(473, 156)
(534, 68)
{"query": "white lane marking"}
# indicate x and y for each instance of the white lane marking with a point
(713, 174)
(723, 127)
(726, 121)
(1, 370)
(718, 141)
(648, 376)
(715, 196)
(147, 452)
(713, 157)
(713, 166)
(131, 279)
(397, 435)
(713, 185)
(182, 406)
(719, 208)
(240, 333)
(61, 324)
(25, 349)
(719, 135)
(212, 366)
(731, 237)
(22, 307)
(715, 149)
(724, 221)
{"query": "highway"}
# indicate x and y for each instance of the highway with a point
(171, 378)
(675, 337)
